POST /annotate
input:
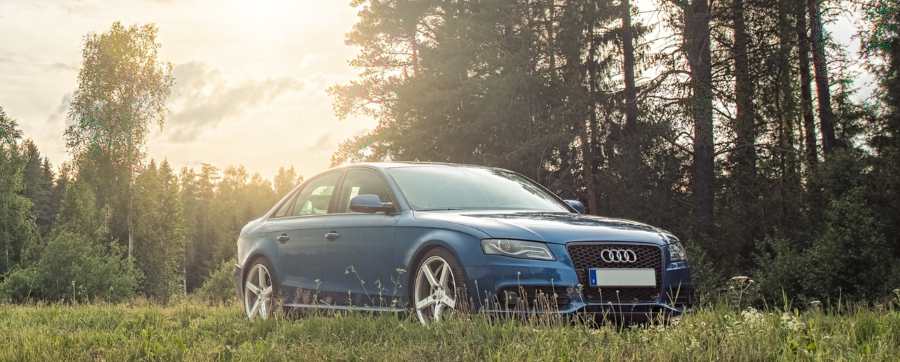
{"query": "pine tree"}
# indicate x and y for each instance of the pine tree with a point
(17, 229)
(285, 180)
(38, 186)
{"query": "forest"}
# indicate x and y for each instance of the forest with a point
(739, 125)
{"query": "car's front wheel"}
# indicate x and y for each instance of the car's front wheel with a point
(260, 290)
(439, 286)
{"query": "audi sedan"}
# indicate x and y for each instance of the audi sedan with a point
(443, 238)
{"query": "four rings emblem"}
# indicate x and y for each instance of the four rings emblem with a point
(618, 256)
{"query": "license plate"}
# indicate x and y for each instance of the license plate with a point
(622, 277)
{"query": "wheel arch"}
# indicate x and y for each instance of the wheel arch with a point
(260, 251)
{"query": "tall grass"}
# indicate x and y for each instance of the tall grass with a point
(192, 332)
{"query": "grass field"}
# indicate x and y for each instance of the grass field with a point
(194, 332)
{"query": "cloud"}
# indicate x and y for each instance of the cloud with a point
(60, 66)
(325, 143)
(61, 110)
(202, 98)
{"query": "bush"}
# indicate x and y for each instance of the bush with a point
(850, 260)
(73, 268)
(219, 287)
(782, 269)
(707, 280)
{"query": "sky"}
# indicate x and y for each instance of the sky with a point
(251, 76)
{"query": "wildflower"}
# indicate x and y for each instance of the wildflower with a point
(752, 316)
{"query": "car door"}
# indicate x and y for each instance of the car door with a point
(301, 228)
(367, 244)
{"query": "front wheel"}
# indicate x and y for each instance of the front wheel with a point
(439, 286)
(260, 291)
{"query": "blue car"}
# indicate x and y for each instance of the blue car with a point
(445, 238)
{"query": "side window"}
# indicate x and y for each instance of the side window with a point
(361, 182)
(285, 209)
(316, 196)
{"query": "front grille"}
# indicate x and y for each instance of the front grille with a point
(587, 255)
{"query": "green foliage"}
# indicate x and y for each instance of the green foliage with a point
(196, 333)
(122, 91)
(285, 180)
(73, 268)
(17, 230)
(851, 260)
(159, 232)
(216, 206)
(38, 186)
(80, 214)
(219, 288)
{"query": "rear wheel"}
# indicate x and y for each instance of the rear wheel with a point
(260, 290)
(438, 286)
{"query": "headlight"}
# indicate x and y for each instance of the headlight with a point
(516, 249)
(676, 250)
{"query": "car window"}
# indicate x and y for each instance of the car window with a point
(315, 197)
(361, 182)
(471, 188)
(286, 207)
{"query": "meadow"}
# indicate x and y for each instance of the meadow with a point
(195, 332)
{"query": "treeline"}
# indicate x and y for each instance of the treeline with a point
(735, 124)
(110, 224)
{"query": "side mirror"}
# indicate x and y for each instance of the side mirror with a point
(370, 204)
(577, 205)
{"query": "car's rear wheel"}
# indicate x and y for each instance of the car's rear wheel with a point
(439, 286)
(260, 290)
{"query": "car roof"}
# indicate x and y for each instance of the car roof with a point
(386, 165)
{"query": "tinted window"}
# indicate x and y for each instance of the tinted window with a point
(460, 188)
(362, 182)
(316, 196)
(286, 207)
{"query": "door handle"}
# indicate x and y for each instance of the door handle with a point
(332, 236)
(283, 238)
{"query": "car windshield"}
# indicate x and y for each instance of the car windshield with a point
(471, 188)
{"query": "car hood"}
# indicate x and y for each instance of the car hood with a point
(559, 228)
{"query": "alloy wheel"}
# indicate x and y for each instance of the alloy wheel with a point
(258, 296)
(435, 290)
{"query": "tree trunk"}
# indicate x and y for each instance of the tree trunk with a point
(696, 42)
(826, 116)
(591, 129)
(632, 141)
(745, 149)
(744, 155)
(809, 121)
(790, 188)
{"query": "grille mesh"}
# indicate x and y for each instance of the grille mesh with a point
(585, 256)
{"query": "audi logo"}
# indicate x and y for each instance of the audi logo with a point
(618, 256)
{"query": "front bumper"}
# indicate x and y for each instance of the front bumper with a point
(502, 284)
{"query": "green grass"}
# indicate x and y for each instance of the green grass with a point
(194, 332)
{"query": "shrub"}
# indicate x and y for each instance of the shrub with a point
(707, 280)
(219, 287)
(73, 268)
(851, 259)
(782, 268)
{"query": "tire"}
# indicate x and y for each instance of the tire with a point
(260, 292)
(434, 296)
